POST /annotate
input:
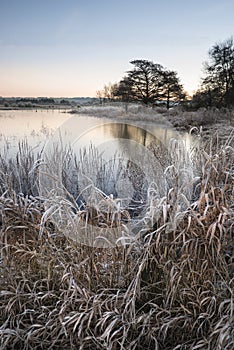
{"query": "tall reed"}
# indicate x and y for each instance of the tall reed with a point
(172, 288)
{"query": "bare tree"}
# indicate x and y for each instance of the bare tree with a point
(99, 95)
(109, 91)
(218, 84)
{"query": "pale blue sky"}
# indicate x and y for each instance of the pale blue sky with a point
(73, 47)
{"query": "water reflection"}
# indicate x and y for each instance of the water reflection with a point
(79, 130)
(130, 132)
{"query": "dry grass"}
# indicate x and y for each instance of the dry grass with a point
(212, 120)
(170, 289)
(19, 173)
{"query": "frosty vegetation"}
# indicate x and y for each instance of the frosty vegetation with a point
(172, 288)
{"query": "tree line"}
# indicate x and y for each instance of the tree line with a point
(147, 82)
(151, 83)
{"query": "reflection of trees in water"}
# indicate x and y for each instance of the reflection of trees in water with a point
(129, 132)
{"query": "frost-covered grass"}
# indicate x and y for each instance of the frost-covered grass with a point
(212, 120)
(142, 112)
(123, 111)
(172, 288)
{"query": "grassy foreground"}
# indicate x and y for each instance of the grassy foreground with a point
(173, 289)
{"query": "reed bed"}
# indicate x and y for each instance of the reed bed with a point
(171, 288)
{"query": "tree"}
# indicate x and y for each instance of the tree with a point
(99, 95)
(145, 80)
(124, 90)
(218, 84)
(108, 92)
(172, 89)
(149, 82)
(206, 98)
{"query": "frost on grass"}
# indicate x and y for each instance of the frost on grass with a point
(170, 289)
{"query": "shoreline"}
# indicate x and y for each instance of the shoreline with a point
(205, 122)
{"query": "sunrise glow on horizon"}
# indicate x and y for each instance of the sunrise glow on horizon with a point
(72, 48)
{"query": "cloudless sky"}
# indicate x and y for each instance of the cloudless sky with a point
(73, 47)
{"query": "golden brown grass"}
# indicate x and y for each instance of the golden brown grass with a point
(171, 289)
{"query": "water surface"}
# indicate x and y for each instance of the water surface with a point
(37, 127)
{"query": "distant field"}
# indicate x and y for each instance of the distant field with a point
(44, 102)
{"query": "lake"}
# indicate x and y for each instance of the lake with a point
(38, 126)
